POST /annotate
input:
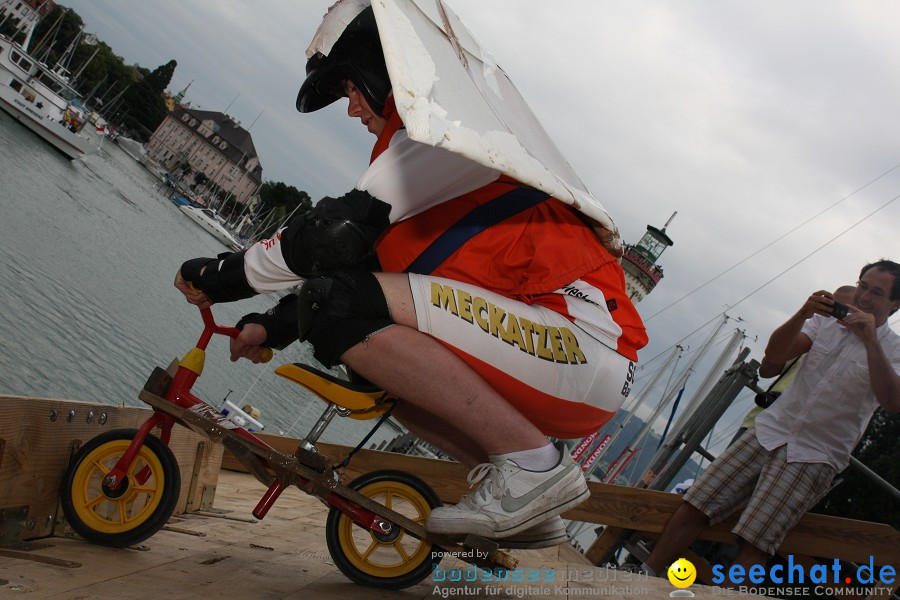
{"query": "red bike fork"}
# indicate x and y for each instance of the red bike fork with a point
(362, 517)
(120, 471)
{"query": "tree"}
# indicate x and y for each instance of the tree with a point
(140, 109)
(277, 200)
(55, 33)
(146, 107)
(160, 78)
(279, 194)
(858, 497)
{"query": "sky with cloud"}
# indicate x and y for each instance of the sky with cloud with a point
(771, 127)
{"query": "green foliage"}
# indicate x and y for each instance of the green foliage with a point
(280, 195)
(105, 75)
(277, 201)
(54, 34)
(145, 109)
(140, 109)
(160, 78)
(858, 497)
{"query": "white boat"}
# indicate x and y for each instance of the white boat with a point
(208, 220)
(133, 148)
(40, 99)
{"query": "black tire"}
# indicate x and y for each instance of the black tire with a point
(93, 511)
(413, 559)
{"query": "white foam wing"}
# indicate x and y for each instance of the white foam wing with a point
(450, 93)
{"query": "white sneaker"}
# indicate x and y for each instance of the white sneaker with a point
(511, 499)
(547, 534)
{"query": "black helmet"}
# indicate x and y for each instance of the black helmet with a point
(357, 56)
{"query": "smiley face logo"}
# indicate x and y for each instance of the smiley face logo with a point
(682, 573)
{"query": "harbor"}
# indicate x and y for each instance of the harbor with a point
(90, 243)
(92, 247)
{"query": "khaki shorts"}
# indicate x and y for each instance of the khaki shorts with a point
(776, 493)
(560, 377)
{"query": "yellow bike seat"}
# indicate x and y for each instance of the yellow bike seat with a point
(364, 401)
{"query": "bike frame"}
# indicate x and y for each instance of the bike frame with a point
(179, 392)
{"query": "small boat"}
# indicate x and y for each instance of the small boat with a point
(209, 221)
(39, 99)
(181, 201)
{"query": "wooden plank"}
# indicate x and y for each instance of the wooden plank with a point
(649, 511)
(603, 544)
(447, 478)
(205, 467)
(566, 553)
(289, 468)
(883, 590)
(284, 556)
(628, 508)
(834, 537)
(704, 569)
(41, 434)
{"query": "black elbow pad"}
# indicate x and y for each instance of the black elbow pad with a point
(338, 233)
(222, 279)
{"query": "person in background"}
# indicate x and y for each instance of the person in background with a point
(786, 463)
(495, 338)
(785, 371)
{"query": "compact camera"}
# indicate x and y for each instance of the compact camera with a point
(838, 310)
(765, 399)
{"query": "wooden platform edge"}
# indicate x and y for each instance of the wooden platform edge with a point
(626, 508)
(38, 436)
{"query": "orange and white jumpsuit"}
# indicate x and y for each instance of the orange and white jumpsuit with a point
(534, 304)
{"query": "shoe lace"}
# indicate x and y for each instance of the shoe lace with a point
(494, 485)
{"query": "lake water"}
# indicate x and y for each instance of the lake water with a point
(88, 253)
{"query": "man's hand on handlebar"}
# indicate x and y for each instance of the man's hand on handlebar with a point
(247, 344)
(192, 294)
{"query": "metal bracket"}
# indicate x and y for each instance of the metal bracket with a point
(208, 497)
(195, 475)
(12, 525)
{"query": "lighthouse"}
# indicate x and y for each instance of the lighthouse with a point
(639, 261)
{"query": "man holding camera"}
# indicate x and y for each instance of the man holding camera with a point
(786, 464)
(787, 371)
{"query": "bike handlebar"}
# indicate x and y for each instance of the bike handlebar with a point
(211, 327)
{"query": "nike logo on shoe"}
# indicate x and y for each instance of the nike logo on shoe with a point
(511, 505)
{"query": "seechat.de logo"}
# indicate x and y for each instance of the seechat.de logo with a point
(682, 574)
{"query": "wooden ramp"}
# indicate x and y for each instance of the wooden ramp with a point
(228, 554)
(215, 549)
(816, 538)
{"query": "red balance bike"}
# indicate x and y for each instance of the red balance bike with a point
(122, 486)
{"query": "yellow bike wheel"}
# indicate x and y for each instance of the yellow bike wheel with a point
(396, 560)
(138, 507)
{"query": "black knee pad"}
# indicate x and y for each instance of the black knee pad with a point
(337, 312)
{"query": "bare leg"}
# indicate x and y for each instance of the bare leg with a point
(750, 555)
(444, 435)
(423, 372)
(681, 530)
